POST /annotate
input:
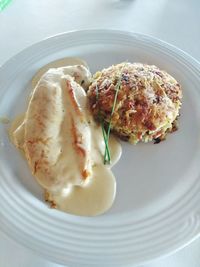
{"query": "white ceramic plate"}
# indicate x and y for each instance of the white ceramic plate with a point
(157, 208)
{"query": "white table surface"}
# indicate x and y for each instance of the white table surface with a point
(25, 22)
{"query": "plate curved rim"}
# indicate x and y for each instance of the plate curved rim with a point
(103, 30)
(140, 37)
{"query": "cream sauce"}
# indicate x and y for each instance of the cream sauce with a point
(75, 67)
(77, 183)
(93, 198)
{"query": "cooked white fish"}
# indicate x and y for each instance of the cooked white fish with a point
(64, 146)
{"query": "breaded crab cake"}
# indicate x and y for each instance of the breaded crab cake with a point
(147, 103)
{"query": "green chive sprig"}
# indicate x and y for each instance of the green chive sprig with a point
(106, 135)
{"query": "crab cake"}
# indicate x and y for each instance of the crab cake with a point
(147, 103)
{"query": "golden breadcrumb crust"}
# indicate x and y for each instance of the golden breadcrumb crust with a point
(148, 100)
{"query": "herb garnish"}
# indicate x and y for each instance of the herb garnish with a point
(106, 135)
(107, 151)
(117, 87)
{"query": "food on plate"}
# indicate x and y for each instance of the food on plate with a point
(146, 101)
(74, 66)
(65, 133)
(64, 146)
